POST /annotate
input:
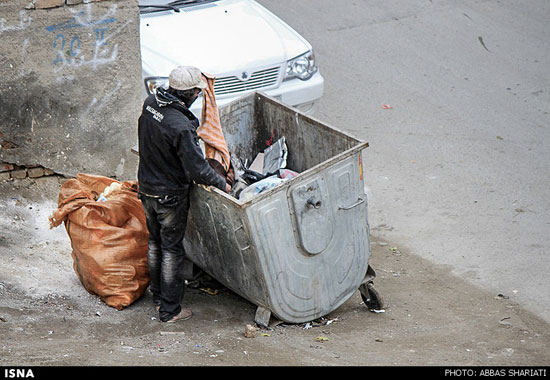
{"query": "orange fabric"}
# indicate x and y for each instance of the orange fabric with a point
(109, 239)
(210, 130)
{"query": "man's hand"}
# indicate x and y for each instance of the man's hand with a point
(230, 177)
(227, 188)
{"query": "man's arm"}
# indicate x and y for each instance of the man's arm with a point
(192, 158)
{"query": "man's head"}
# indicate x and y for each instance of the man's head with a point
(186, 83)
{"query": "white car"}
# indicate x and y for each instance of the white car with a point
(245, 46)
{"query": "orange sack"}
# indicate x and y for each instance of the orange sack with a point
(109, 238)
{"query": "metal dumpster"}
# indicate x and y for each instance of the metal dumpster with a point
(297, 251)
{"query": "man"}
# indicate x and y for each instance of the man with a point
(170, 159)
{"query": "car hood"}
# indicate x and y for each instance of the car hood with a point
(220, 38)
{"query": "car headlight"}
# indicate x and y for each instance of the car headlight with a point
(302, 67)
(152, 83)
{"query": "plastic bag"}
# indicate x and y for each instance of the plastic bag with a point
(259, 187)
(109, 238)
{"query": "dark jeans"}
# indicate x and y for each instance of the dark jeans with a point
(166, 222)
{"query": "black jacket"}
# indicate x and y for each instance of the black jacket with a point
(170, 157)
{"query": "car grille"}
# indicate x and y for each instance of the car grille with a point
(258, 79)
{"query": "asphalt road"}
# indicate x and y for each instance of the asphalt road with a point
(458, 168)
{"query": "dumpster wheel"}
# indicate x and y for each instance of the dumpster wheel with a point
(371, 297)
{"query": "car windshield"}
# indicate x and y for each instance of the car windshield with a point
(149, 6)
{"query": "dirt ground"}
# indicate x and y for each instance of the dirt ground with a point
(430, 318)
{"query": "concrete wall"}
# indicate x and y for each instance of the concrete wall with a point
(71, 85)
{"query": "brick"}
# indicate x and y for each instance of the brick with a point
(35, 172)
(43, 4)
(5, 176)
(8, 145)
(5, 167)
(48, 171)
(19, 174)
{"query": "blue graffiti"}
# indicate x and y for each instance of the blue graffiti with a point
(75, 46)
(100, 36)
(59, 45)
(73, 23)
(100, 27)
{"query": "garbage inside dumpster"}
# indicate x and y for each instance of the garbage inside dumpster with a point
(258, 187)
(275, 157)
(265, 172)
(292, 238)
(106, 224)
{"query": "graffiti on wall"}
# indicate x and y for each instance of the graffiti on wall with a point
(64, 71)
(85, 40)
(70, 37)
(24, 22)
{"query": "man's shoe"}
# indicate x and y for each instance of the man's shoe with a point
(183, 315)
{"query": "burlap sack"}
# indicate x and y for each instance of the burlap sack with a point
(109, 238)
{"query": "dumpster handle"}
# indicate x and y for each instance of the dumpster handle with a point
(311, 203)
(359, 201)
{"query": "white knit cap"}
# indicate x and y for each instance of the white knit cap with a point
(185, 78)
